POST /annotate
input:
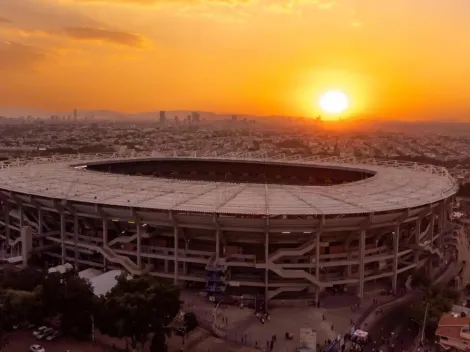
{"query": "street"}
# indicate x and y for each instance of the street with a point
(404, 331)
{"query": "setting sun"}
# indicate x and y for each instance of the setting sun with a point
(334, 102)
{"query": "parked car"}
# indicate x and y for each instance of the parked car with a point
(37, 348)
(39, 330)
(55, 334)
(44, 333)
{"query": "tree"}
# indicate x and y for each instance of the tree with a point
(135, 308)
(37, 260)
(190, 321)
(14, 307)
(72, 298)
(27, 279)
(438, 301)
(420, 279)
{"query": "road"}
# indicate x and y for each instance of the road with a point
(463, 247)
(403, 328)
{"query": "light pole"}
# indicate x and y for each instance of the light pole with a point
(424, 322)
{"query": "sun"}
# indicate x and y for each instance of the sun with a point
(334, 102)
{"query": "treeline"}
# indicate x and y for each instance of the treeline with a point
(464, 190)
(137, 309)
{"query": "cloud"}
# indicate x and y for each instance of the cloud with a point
(14, 56)
(4, 20)
(103, 35)
(166, 2)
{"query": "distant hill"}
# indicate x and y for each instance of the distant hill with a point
(13, 112)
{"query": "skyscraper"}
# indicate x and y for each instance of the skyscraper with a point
(162, 117)
(195, 116)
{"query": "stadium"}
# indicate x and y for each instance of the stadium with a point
(278, 227)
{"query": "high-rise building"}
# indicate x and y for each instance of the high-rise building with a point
(162, 117)
(195, 116)
(234, 118)
(75, 115)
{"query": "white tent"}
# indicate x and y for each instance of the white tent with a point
(89, 273)
(62, 269)
(103, 283)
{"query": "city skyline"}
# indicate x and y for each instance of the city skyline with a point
(253, 57)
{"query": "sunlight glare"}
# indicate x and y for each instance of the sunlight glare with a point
(334, 102)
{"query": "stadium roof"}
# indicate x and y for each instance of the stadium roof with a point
(396, 185)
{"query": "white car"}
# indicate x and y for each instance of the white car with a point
(55, 334)
(44, 333)
(39, 330)
(37, 348)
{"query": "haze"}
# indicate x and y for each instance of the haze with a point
(396, 59)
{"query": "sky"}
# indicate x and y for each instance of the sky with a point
(400, 59)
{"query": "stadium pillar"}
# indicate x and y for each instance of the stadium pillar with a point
(75, 240)
(105, 241)
(417, 235)
(362, 254)
(217, 245)
(396, 245)
(349, 267)
(40, 221)
(7, 223)
(21, 209)
(139, 241)
(185, 264)
(431, 227)
(266, 270)
(26, 244)
(62, 236)
(175, 254)
(442, 226)
(317, 265)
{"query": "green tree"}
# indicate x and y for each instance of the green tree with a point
(14, 307)
(438, 300)
(71, 298)
(420, 279)
(136, 308)
(190, 321)
(27, 279)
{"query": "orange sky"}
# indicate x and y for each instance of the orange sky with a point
(405, 59)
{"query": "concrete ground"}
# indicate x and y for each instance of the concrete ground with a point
(328, 322)
(291, 320)
(242, 324)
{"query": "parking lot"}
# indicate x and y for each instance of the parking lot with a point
(20, 341)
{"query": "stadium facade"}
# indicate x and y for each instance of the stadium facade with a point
(234, 224)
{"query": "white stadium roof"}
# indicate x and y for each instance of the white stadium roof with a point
(396, 185)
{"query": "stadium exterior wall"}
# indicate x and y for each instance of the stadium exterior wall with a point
(260, 255)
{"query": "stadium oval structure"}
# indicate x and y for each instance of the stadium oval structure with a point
(277, 228)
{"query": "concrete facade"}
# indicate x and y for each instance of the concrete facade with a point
(269, 256)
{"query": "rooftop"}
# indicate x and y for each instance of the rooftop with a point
(453, 327)
(395, 185)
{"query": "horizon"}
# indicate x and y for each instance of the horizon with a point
(243, 57)
(347, 121)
